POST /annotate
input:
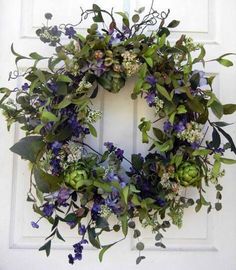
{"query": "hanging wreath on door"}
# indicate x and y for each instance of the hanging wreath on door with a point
(73, 183)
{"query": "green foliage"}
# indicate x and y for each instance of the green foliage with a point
(54, 107)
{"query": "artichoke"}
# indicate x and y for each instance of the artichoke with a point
(188, 174)
(76, 178)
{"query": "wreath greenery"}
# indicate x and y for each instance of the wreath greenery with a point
(70, 181)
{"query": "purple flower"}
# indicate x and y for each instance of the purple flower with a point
(95, 211)
(63, 195)
(112, 202)
(71, 259)
(219, 150)
(167, 126)
(110, 146)
(25, 86)
(48, 209)
(98, 68)
(55, 31)
(53, 87)
(150, 98)
(56, 167)
(119, 154)
(34, 224)
(70, 32)
(111, 176)
(78, 249)
(72, 224)
(56, 147)
(151, 80)
(195, 145)
(179, 127)
(160, 202)
(76, 127)
(123, 184)
(82, 230)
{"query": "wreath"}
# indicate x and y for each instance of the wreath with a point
(73, 183)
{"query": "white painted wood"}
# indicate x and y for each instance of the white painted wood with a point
(205, 241)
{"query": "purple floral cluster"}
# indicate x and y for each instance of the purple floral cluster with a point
(118, 152)
(151, 95)
(78, 249)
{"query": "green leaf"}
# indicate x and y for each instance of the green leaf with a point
(217, 109)
(18, 56)
(159, 134)
(150, 51)
(229, 108)
(46, 182)
(125, 18)
(218, 206)
(103, 185)
(158, 236)
(149, 61)
(135, 18)
(103, 250)
(136, 234)
(93, 237)
(143, 71)
(228, 137)
(216, 168)
(138, 86)
(163, 92)
(203, 201)
(59, 236)
(195, 106)
(181, 109)
(64, 78)
(140, 246)
(96, 8)
(71, 217)
(46, 247)
(92, 130)
(29, 147)
(198, 206)
(39, 73)
(139, 259)
(167, 146)
(201, 152)
(227, 160)
(37, 56)
(64, 103)
(173, 24)
(225, 62)
(47, 116)
(124, 224)
(125, 194)
(137, 161)
(102, 223)
(221, 124)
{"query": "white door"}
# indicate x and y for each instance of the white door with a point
(205, 241)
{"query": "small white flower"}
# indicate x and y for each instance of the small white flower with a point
(94, 116)
(84, 86)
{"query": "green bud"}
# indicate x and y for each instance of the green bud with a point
(188, 174)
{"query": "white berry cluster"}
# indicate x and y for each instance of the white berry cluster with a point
(192, 133)
(159, 103)
(84, 86)
(74, 151)
(130, 63)
(94, 116)
(48, 36)
(105, 211)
